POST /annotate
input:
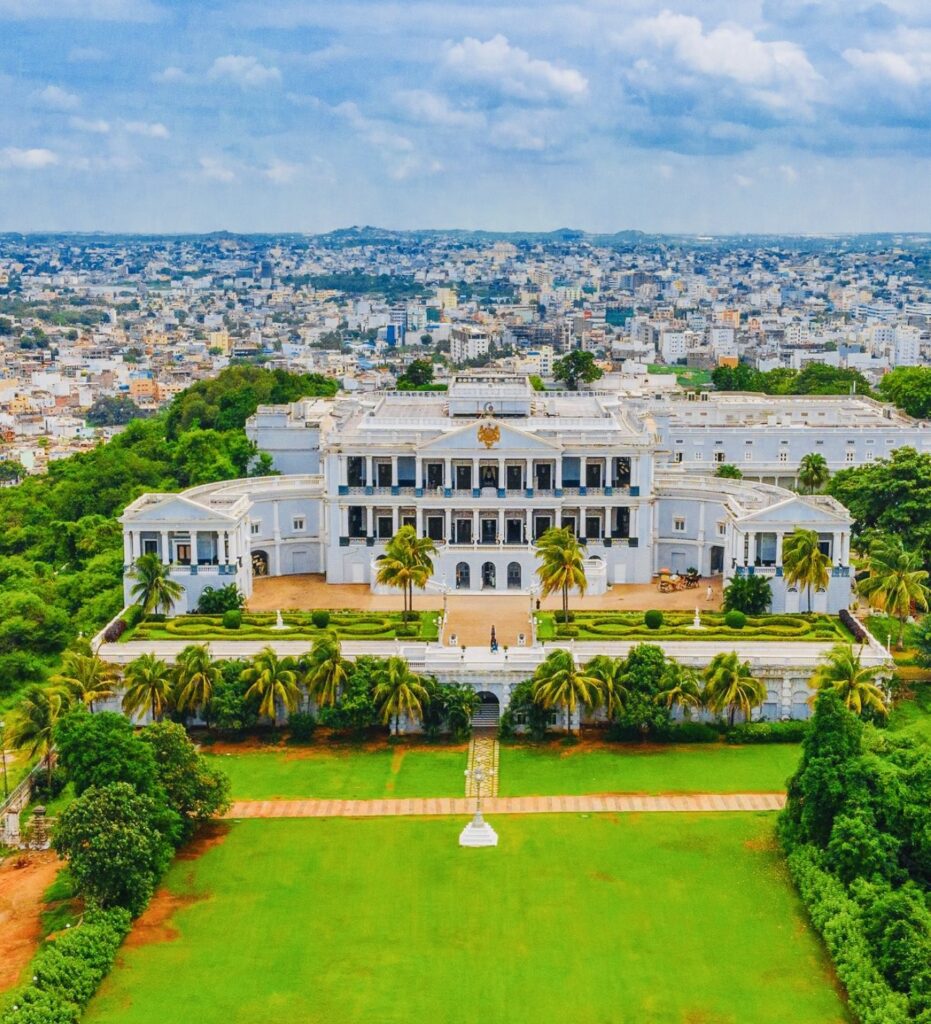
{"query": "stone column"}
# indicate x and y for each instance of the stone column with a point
(369, 472)
(193, 547)
(475, 536)
(394, 520)
(779, 537)
(558, 474)
(418, 518)
(448, 533)
(476, 473)
(500, 525)
(418, 472)
(166, 549)
(370, 521)
(583, 468)
(343, 470)
(394, 471)
(448, 473)
(128, 547)
(502, 474)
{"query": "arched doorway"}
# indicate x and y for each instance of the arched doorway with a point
(514, 576)
(487, 712)
(259, 563)
(488, 576)
(463, 576)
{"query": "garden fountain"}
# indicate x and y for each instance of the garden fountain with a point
(696, 622)
(279, 622)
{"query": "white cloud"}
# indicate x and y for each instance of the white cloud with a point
(95, 127)
(742, 181)
(280, 172)
(56, 98)
(789, 173)
(214, 169)
(27, 159)
(904, 68)
(517, 133)
(405, 167)
(172, 76)
(245, 71)
(433, 108)
(150, 129)
(380, 135)
(511, 71)
(114, 162)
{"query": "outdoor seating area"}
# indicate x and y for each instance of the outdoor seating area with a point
(669, 582)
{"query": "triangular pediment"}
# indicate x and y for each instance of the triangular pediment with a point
(796, 511)
(488, 435)
(174, 509)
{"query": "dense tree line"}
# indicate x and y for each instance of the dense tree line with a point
(815, 379)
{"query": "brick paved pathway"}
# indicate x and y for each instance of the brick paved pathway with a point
(627, 802)
(483, 752)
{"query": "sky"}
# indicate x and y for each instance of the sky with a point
(790, 116)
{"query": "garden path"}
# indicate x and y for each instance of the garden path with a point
(483, 753)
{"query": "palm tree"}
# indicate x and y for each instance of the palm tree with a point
(896, 581)
(33, 722)
(562, 566)
(731, 686)
(154, 588)
(86, 677)
(854, 684)
(680, 688)
(803, 561)
(559, 681)
(399, 691)
(813, 472)
(326, 670)
(196, 674)
(149, 683)
(274, 681)
(406, 563)
(612, 691)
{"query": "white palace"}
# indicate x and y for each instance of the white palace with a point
(483, 469)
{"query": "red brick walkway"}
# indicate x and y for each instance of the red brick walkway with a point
(627, 802)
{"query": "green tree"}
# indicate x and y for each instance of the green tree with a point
(399, 691)
(112, 411)
(680, 688)
(642, 676)
(559, 682)
(86, 677)
(407, 563)
(562, 565)
(728, 471)
(273, 682)
(612, 691)
(731, 686)
(195, 790)
(117, 843)
(100, 749)
(154, 588)
(804, 563)
(575, 368)
(895, 583)
(195, 676)
(751, 595)
(418, 374)
(149, 686)
(33, 722)
(909, 387)
(813, 472)
(855, 684)
(326, 671)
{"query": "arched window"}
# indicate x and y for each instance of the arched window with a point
(463, 576)
(514, 576)
(488, 576)
(259, 563)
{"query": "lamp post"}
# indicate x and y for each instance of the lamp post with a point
(6, 784)
(478, 832)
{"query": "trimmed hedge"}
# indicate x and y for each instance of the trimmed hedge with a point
(232, 619)
(678, 626)
(859, 633)
(69, 969)
(114, 631)
(837, 919)
(768, 732)
(735, 619)
(653, 619)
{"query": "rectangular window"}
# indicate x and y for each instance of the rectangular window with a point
(748, 454)
(435, 527)
(434, 475)
(699, 456)
(255, 527)
(783, 455)
(677, 456)
(150, 547)
(722, 529)
(678, 524)
(850, 455)
(384, 527)
(297, 523)
(719, 456)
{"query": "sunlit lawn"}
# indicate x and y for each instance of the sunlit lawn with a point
(628, 919)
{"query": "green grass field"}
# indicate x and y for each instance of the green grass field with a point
(697, 768)
(627, 919)
(913, 716)
(344, 775)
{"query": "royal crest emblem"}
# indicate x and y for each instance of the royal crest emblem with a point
(489, 434)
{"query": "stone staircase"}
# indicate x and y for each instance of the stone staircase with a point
(486, 716)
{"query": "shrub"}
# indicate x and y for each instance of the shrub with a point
(751, 595)
(563, 617)
(302, 725)
(232, 619)
(320, 618)
(768, 732)
(406, 631)
(155, 617)
(133, 615)
(859, 633)
(735, 619)
(568, 632)
(114, 631)
(214, 601)
(653, 619)
(693, 732)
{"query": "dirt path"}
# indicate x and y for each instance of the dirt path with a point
(592, 804)
(21, 904)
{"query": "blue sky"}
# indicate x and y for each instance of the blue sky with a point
(157, 115)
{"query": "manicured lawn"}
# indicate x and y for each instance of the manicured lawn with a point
(698, 768)
(608, 625)
(625, 919)
(344, 775)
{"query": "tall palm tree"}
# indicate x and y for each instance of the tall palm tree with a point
(406, 563)
(399, 691)
(32, 727)
(149, 682)
(804, 563)
(853, 683)
(681, 687)
(326, 670)
(813, 472)
(896, 581)
(612, 689)
(86, 677)
(562, 565)
(274, 681)
(730, 685)
(196, 674)
(154, 588)
(558, 681)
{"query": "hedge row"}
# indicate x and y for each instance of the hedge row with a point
(584, 630)
(68, 971)
(768, 732)
(837, 919)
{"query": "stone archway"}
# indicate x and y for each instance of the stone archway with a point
(514, 576)
(487, 712)
(488, 576)
(259, 563)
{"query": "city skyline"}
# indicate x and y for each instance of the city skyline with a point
(142, 116)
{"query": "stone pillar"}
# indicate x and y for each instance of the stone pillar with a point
(369, 472)
(194, 536)
(448, 532)
(475, 536)
(343, 464)
(500, 525)
(226, 547)
(128, 547)
(558, 473)
(502, 474)
(476, 473)
(779, 537)
(448, 473)
(418, 518)
(583, 468)
(370, 521)
(418, 472)
(394, 521)
(394, 471)
(166, 549)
